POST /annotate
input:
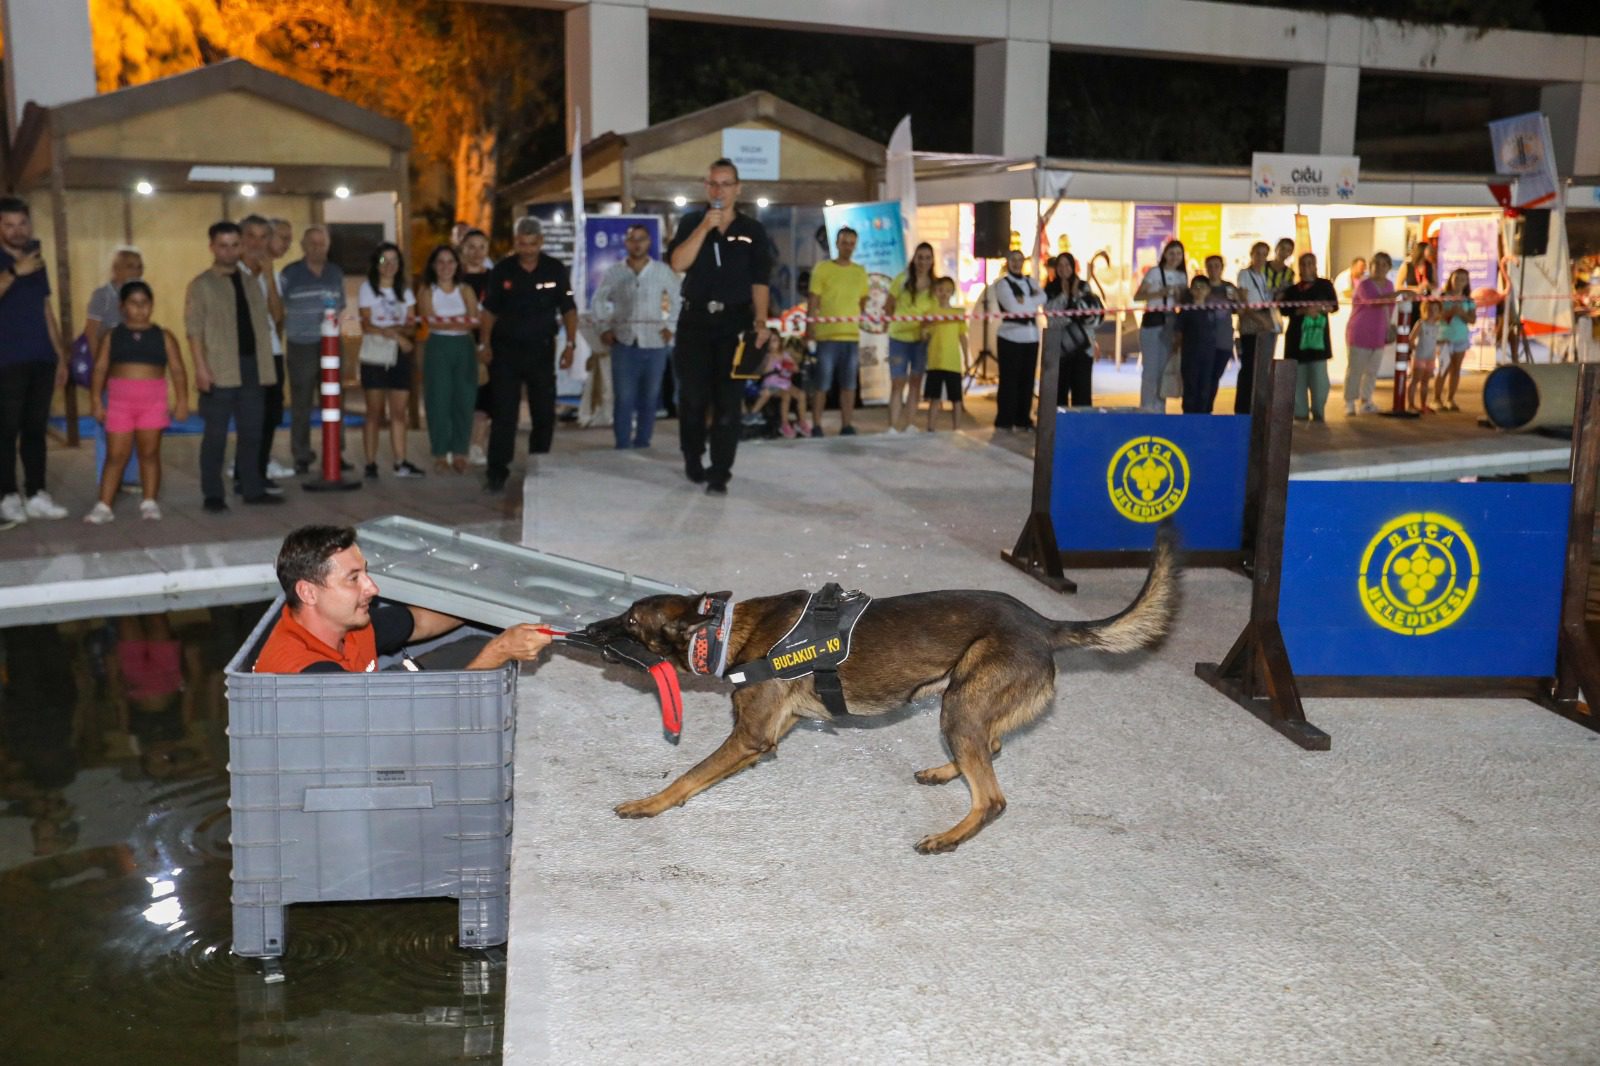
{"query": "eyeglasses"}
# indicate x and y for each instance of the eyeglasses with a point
(720, 184)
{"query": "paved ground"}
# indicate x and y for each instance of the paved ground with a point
(1172, 882)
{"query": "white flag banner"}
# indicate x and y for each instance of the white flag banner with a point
(575, 379)
(900, 179)
(1522, 148)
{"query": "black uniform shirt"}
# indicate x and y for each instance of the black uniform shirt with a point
(526, 304)
(745, 259)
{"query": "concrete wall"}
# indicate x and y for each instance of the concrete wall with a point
(49, 54)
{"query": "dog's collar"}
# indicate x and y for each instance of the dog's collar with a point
(706, 646)
(815, 645)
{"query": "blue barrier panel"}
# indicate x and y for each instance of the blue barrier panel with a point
(1116, 476)
(1423, 579)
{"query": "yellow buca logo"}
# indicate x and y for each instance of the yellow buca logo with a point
(1148, 479)
(1419, 574)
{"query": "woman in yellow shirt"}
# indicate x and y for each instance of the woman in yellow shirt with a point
(911, 293)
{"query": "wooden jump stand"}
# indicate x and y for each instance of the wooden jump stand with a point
(1037, 553)
(1256, 673)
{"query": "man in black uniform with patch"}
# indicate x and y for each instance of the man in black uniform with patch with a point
(725, 258)
(521, 301)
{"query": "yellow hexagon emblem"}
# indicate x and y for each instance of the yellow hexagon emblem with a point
(1148, 479)
(1419, 574)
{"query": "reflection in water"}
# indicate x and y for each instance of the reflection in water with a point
(114, 913)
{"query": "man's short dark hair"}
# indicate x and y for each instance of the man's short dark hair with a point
(725, 164)
(219, 228)
(254, 220)
(305, 555)
(14, 205)
(846, 229)
(640, 226)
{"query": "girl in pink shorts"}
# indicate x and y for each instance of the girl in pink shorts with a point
(131, 368)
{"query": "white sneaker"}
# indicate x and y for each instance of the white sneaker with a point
(476, 457)
(277, 470)
(99, 515)
(1350, 409)
(891, 432)
(40, 505)
(150, 509)
(11, 509)
(913, 428)
(1369, 408)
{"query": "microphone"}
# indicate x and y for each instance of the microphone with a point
(716, 205)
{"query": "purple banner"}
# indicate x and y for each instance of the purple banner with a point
(1473, 245)
(1153, 226)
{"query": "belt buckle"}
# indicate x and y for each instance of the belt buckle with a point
(715, 306)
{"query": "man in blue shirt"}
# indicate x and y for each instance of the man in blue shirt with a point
(33, 365)
(307, 286)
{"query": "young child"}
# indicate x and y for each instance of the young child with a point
(1199, 348)
(132, 365)
(947, 353)
(1424, 348)
(777, 379)
(1457, 313)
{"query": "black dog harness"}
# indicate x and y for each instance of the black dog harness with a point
(816, 644)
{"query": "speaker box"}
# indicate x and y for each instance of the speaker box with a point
(1533, 232)
(991, 229)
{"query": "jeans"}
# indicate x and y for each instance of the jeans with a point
(1155, 351)
(512, 369)
(449, 391)
(907, 358)
(1014, 398)
(702, 363)
(25, 391)
(636, 392)
(243, 405)
(839, 360)
(1310, 377)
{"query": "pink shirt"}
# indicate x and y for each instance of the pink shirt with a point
(1369, 322)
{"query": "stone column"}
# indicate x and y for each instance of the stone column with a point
(49, 54)
(608, 67)
(1574, 112)
(1319, 112)
(1011, 86)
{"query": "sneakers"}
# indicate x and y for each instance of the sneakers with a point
(40, 505)
(911, 428)
(787, 430)
(216, 505)
(404, 469)
(276, 469)
(11, 509)
(150, 510)
(1369, 408)
(815, 431)
(99, 515)
(1350, 409)
(371, 473)
(805, 428)
(476, 457)
(891, 432)
(847, 431)
(717, 488)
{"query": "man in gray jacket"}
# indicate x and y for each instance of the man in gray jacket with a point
(228, 327)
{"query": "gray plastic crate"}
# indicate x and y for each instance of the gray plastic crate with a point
(384, 785)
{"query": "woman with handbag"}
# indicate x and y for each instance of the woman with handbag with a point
(1071, 337)
(1307, 339)
(1162, 290)
(387, 346)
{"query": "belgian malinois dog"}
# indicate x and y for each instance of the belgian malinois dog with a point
(990, 655)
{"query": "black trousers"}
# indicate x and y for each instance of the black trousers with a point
(25, 391)
(271, 415)
(1014, 401)
(702, 361)
(1072, 384)
(1200, 374)
(241, 405)
(513, 369)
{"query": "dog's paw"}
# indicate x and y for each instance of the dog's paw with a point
(936, 844)
(937, 775)
(636, 809)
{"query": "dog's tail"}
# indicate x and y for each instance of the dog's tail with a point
(1143, 621)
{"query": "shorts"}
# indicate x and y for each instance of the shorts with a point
(947, 382)
(836, 357)
(907, 358)
(150, 668)
(136, 403)
(397, 377)
(777, 383)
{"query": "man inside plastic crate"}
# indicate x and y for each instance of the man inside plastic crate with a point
(334, 622)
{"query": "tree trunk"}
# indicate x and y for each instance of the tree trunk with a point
(476, 171)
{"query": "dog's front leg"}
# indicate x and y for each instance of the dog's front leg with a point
(760, 721)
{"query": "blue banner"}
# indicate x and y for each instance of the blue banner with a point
(1423, 579)
(602, 243)
(880, 238)
(1117, 475)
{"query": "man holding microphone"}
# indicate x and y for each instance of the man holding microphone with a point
(726, 259)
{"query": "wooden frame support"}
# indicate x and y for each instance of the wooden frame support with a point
(1256, 673)
(1036, 552)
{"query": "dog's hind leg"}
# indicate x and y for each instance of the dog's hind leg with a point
(992, 689)
(761, 719)
(943, 775)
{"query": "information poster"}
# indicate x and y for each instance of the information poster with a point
(881, 249)
(1153, 226)
(1473, 244)
(1200, 230)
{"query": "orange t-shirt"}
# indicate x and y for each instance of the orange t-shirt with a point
(291, 648)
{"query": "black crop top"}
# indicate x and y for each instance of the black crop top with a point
(148, 345)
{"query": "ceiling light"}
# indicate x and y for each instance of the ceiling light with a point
(679, 201)
(144, 188)
(342, 192)
(247, 190)
(762, 201)
(827, 203)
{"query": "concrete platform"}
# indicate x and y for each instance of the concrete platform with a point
(1172, 882)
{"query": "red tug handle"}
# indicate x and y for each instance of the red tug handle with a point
(668, 694)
